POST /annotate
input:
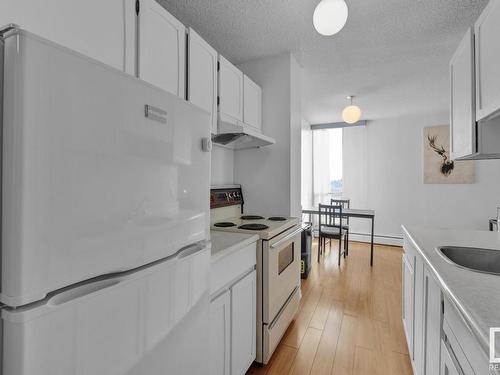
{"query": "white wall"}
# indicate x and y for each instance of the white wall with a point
(307, 163)
(222, 166)
(295, 139)
(93, 27)
(383, 169)
(266, 173)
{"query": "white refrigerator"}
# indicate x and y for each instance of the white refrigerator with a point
(105, 215)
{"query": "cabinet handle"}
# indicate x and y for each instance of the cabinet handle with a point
(191, 249)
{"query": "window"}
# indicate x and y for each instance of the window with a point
(327, 165)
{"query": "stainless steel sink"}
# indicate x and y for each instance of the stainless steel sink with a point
(482, 260)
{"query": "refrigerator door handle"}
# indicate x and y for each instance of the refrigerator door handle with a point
(82, 291)
(192, 249)
(86, 289)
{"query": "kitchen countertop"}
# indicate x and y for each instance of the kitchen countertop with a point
(475, 294)
(224, 243)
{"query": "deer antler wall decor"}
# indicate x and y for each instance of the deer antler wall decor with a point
(446, 165)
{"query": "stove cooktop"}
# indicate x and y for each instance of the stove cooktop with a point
(266, 228)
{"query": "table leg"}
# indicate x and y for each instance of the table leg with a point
(371, 253)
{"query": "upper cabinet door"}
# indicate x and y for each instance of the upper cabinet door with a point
(162, 48)
(230, 90)
(252, 103)
(462, 109)
(487, 30)
(202, 76)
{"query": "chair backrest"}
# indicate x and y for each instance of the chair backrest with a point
(345, 203)
(328, 214)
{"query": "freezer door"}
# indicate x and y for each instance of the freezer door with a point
(151, 321)
(101, 172)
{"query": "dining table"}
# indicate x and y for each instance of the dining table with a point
(350, 213)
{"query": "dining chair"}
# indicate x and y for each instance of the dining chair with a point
(346, 204)
(330, 227)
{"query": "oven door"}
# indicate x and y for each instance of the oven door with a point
(281, 271)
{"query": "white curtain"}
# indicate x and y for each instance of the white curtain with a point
(321, 166)
(327, 166)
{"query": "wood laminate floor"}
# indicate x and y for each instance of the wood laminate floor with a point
(349, 321)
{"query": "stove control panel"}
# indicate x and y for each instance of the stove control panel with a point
(224, 197)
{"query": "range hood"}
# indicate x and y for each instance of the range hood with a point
(235, 134)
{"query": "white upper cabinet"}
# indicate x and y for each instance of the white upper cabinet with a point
(487, 31)
(252, 103)
(475, 90)
(202, 75)
(462, 109)
(230, 90)
(161, 58)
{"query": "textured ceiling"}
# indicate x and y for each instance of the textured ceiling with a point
(392, 54)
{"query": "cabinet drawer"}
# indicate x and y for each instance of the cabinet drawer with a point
(463, 341)
(226, 270)
(275, 331)
(452, 353)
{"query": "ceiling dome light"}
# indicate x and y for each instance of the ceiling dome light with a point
(352, 113)
(330, 16)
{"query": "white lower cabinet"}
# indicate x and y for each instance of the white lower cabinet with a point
(220, 327)
(432, 323)
(233, 328)
(422, 313)
(243, 324)
(439, 342)
(408, 299)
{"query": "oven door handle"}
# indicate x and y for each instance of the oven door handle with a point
(286, 238)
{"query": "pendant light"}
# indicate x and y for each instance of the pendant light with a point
(352, 113)
(330, 16)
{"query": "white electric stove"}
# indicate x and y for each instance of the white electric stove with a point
(278, 263)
